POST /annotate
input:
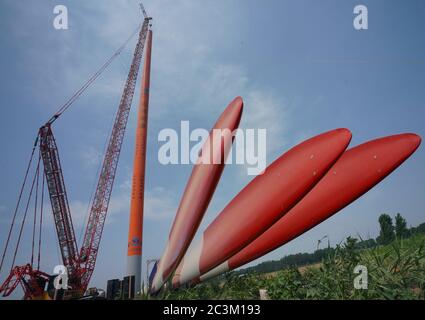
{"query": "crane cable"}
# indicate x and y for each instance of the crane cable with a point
(41, 221)
(25, 213)
(18, 203)
(93, 78)
(35, 210)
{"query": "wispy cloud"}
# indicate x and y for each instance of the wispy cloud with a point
(159, 204)
(266, 111)
(119, 205)
(90, 156)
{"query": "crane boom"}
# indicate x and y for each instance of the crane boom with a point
(79, 263)
(96, 221)
(58, 198)
(144, 11)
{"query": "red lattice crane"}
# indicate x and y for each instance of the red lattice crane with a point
(79, 263)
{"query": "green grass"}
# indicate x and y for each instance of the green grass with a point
(395, 271)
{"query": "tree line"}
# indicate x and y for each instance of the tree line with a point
(389, 231)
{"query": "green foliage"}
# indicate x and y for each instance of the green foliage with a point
(386, 234)
(417, 230)
(400, 227)
(234, 286)
(395, 271)
(303, 259)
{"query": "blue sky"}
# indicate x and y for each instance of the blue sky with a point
(300, 66)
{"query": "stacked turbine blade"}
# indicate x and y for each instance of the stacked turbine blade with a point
(302, 188)
(357, 171)
(262, 202)
(198, 193)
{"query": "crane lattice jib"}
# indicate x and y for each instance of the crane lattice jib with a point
(58, 198)
(96, 221)
(31, 281)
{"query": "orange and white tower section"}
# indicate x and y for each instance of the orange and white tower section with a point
(135, 233)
